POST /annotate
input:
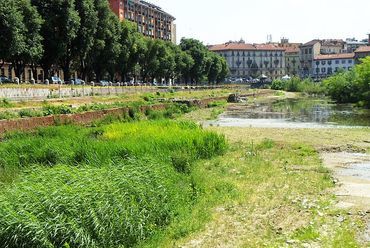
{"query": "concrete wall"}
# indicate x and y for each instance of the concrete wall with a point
(24, 93)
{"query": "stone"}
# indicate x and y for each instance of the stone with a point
(233, 98)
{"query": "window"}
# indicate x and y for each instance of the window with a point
(343, 61)
(323, 62)
(323, 70)
(310, 51)
(349, 61)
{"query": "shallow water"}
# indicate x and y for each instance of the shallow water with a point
(357, 170)
(294, 113)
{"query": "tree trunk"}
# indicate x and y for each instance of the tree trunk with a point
(19, 69)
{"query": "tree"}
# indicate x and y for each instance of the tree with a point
(363, 72)
(224, 71)
(19, 34)
(33, 50)
(106, 48)
(84, 41)
(199, 54)
(11, 26)
(215, 68)
(58, 31)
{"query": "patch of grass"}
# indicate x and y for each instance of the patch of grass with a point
(345, 238)
(108, 186)
(5, 103)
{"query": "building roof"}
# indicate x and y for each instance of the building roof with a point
(310, 43)
(292, 50)
(363, 49)
(244, 46)
(153, 6)
(335, 56)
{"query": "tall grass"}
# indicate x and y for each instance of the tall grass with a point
(108, 186)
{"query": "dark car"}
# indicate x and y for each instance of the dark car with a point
(5, 80)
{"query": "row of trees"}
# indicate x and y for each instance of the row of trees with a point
(85, 36)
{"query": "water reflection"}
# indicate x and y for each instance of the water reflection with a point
(295, 113)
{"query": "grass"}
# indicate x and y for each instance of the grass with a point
(14, 109)
(112, 185)
(269, 190)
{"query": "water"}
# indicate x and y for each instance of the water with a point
(294, 113)
(360, 170)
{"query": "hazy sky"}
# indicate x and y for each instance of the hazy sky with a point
(217, 21)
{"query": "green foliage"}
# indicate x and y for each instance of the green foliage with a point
(295, 84)
(207, 65)
(5, 103)
(110, 186)
(351, 86)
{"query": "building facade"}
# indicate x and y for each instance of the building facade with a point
(328, 64)
(28, 74)
(292, 61)
(312, 49)
(361, 53)
(252, 60)
(151, 20)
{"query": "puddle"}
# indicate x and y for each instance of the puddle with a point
(353, 173)
(361, 171)
(293, 113)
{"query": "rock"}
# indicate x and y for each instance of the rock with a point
(291, 241)
(341, 219)
(233, 98)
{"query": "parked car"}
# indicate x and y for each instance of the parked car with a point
(103, 83)
(56, 80)
(75, 81)
(5, 80)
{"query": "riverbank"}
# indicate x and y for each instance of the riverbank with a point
(272, 189)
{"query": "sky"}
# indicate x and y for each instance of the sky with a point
(218, 21)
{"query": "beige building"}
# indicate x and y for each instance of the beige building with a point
(292, 61)
(252, 60)
(361, 53)
(307, 53)
(292, 64)
(310, 50)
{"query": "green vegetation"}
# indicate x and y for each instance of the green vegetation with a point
(343, 87)
(106, 186)
(297, 85)
(352, 86)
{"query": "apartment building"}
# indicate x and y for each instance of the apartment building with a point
(151, 20)
(362, 52)
(312, 49)
(291, 56)
(327, 64)
(252, 60)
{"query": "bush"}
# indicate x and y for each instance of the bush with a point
(342, 87)
(295, 84)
